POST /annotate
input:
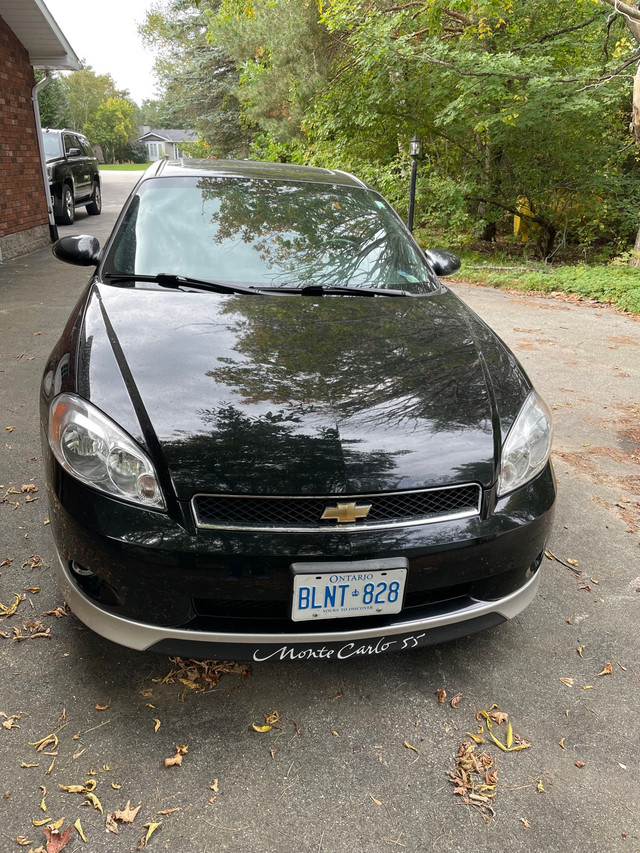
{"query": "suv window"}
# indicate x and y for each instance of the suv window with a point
(52, 148)
(71, 142)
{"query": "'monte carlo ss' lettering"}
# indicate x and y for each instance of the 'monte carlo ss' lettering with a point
(352, 463)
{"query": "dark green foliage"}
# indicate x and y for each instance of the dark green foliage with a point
(53, 103)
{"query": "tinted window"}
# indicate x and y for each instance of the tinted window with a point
(267, 233)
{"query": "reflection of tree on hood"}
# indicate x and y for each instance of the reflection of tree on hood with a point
(388, 360)
(285, 449)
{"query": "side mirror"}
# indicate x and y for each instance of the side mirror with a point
(443, 262)
(74, 152)
(82, 251)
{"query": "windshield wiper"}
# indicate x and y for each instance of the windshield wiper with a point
(176, 282)
(327, 290)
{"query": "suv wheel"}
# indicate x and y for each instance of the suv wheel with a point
(95, 205)
(66, 212)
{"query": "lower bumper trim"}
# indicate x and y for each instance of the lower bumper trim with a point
(339, 645)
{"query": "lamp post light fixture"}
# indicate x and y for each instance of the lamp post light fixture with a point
(414, 151)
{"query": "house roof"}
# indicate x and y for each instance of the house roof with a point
(38, 32)
(166, 134)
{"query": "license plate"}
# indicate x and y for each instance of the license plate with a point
(339, 590)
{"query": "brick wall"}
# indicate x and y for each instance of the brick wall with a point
(23, 204)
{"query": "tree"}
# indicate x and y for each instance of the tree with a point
(85, 92)
(112, 127)
(197, 75)
(52, 102)
(630, 13)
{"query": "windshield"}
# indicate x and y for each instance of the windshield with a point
(266, 233)
(52, 147)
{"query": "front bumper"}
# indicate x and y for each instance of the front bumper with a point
(401, 636)
(162, 585)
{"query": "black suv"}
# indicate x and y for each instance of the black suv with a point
(73, 174)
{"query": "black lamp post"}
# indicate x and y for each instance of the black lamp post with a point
(414, 151)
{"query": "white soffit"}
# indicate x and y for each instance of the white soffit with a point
(34, 26)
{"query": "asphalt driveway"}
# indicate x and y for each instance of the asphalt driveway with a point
(359, 751)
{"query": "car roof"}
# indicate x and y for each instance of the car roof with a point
(252, 169)
(63, 130)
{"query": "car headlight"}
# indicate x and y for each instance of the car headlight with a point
(527, 446)
(95, 450)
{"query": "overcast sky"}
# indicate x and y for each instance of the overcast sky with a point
(104, 34)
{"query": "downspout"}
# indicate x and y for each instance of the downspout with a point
(39, 86)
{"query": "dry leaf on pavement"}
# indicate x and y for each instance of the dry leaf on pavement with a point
(128, 814)
(151, 828)
(57, 841)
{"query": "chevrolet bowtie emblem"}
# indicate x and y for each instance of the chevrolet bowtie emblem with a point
(346, 512)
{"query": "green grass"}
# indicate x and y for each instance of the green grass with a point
(613, 284)
(123, 167)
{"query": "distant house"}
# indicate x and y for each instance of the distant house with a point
(165, 142)
(29, 38)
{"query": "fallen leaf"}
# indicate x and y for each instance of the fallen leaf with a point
(499, 717)
(580, 650)
(442, 695)
(157, 724)
(10, 722)
(22, 764)
(572, 562)
(568, 681)
(128, 814)
(115, 786)
(151, 828)
(214, 786)
(408, 746)
(579, 763)
(175, 761)
(57, 841)
(94, 801)
(28, 487)
(540, 787)
(588, 687)
(103, 707)
(476, 738)
(10, 609)
(525, 823)
(23, 840)
(561, 743)
(169, 811)
(509, 747)
(260, 728)
(111, 825)
(377, 802)
(78, 827)
(455, 701)
(43, 804)
(606, 671)
(73, 789)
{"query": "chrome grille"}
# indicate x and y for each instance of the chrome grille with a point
(302, 513)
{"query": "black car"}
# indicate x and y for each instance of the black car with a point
(271, 432)
(73, 172)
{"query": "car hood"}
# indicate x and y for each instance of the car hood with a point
(288, 394)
